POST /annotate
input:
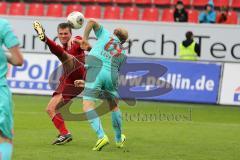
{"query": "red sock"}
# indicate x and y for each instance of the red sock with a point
(54, 48)
(59, 124)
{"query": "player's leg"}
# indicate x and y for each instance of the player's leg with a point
(95, 122)
(111, 86)
(6, 123)
(6, 148)
(56, 103)
(90, 95)
(117, 126)
(54, 48)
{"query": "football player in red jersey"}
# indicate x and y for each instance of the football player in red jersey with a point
(72, 58)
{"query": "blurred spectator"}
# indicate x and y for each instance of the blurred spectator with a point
(180, 14)
(189, 49)
(209, 15)
(222, 17)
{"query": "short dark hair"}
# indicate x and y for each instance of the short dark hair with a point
(65, 25)
(189, 34)
(179, 2)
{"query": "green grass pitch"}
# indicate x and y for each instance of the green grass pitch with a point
(154, 130)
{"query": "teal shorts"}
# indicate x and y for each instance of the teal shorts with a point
(99, 81)
(6, 114)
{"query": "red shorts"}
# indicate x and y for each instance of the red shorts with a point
(66, 83)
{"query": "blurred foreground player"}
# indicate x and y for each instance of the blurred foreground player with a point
(72, 58)
(10, 41)
(109, 52)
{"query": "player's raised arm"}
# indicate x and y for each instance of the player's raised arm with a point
(92, 24)
(15, 57)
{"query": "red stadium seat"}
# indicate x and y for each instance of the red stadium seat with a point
(162, 2)
(73, 7)
(103, 1)
(36, 9)
(232, 18)
(84, 1)
(235, 4)
(112, 12)
(3, 7)
(93, 11)
(167, 15)
(193, 16)
(199, 3)
(17, 8)
(185, 2)
(123, 1)
(131, 13)
(55, 10)
(150, 14)
(221, 3)
(143, 2)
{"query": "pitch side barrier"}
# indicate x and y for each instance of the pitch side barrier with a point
(230, 85)
(144, 79)
(147, 39)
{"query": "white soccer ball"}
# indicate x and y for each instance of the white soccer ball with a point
(76, 19)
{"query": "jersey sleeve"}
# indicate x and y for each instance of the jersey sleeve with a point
(102, 33)
(8, 37)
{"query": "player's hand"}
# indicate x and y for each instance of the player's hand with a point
(83, 44)
(79, 83)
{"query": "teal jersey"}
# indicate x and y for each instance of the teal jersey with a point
(9, 40)
(107, 50)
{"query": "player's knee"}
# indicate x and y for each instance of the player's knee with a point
(50, 109)
(115, 108)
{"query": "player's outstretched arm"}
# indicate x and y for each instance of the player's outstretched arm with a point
(15, 57)
(92, 24)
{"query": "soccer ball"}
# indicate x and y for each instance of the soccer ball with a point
(75, 19)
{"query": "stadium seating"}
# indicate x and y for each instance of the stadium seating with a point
(193, 16)
(185, 2)
(55, 10)
(103, 1)
(235, 4)
(131, 13)
(167, 15)
(123, 1)
(149, 8)
(73, 7)
(93, 11)
(199, 3)
(232, 18)
(112, 12)
(150, 14)
(17, 8)
(143, 2)
(221, 3)
(3, 7)
(162, 2)
(36, 9)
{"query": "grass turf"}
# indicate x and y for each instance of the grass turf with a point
(154, 130)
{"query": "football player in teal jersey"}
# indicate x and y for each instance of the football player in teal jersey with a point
(10, 41)
(103, 63)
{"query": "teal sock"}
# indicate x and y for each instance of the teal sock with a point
(117, 125)
(95, 123)
(5, 151)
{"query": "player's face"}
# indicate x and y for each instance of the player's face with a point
(64, 35)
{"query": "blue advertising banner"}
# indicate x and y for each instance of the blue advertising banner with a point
(170, 80)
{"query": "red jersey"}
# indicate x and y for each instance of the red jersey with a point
(74, 49)
(70, 74)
